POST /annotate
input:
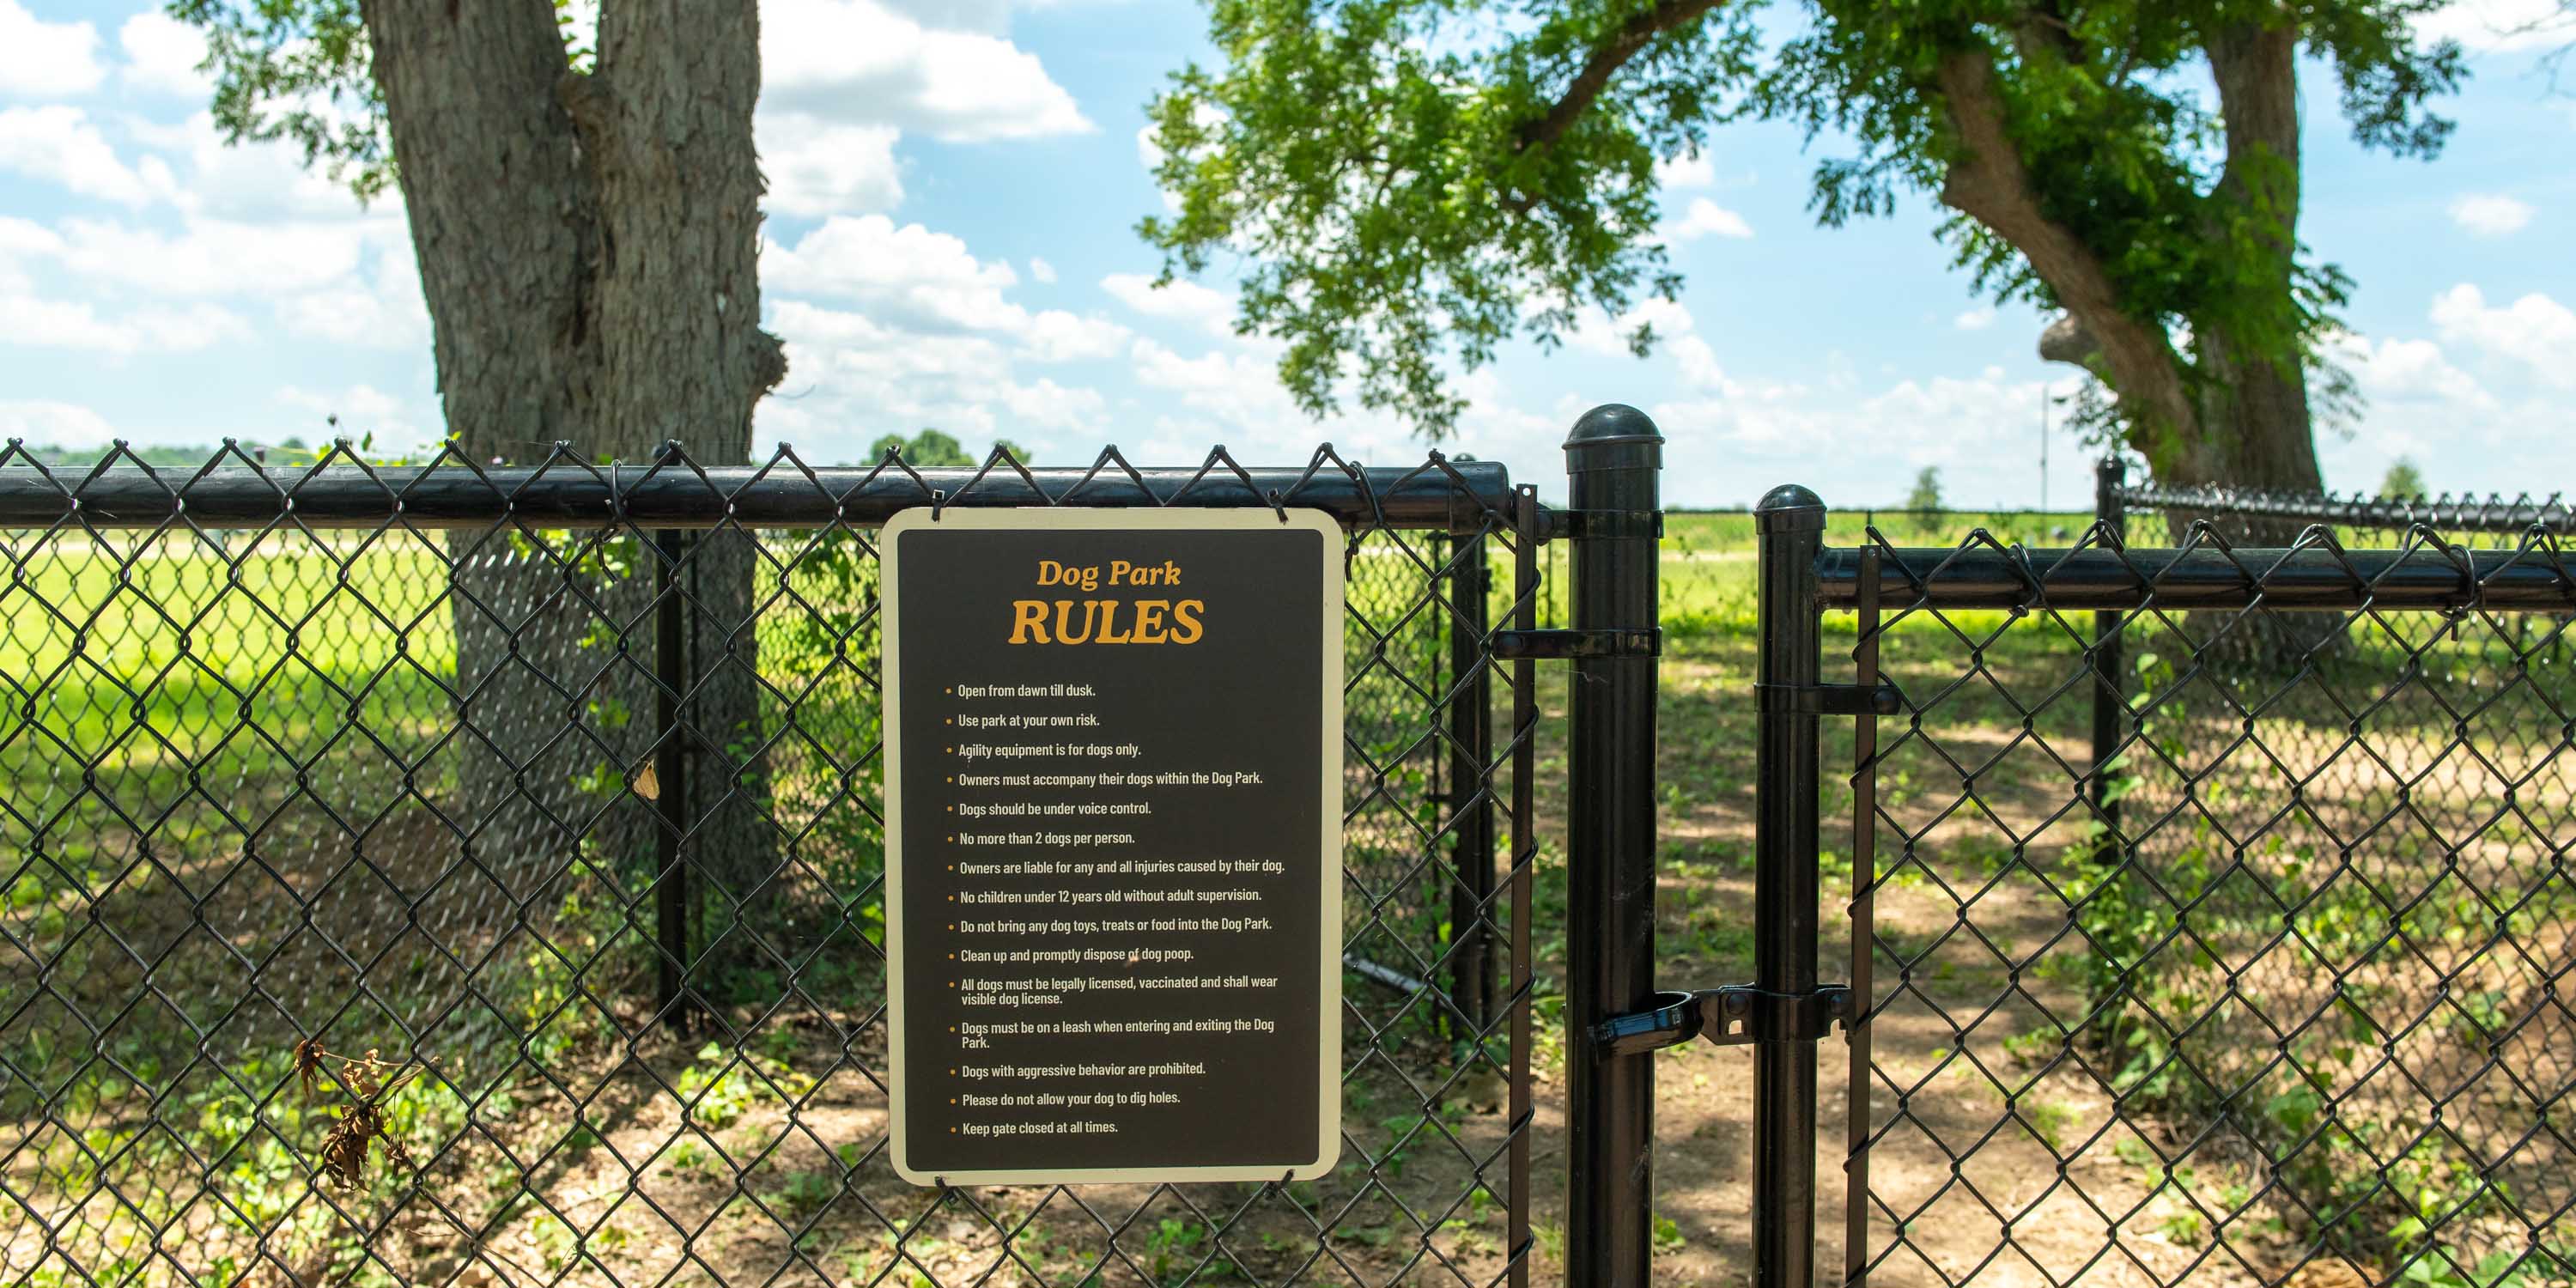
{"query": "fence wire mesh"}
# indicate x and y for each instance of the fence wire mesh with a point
(413, 886)
(2263, 980)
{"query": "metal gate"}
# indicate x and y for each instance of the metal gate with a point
(2210, 915)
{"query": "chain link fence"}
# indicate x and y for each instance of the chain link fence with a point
(450, 875)
(453, 875)
(2215, 906)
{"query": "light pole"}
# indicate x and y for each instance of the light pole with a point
(2043, 447)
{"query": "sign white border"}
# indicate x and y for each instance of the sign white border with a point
(1328, 1073)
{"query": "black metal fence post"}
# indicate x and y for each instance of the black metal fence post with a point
(1471, 748)
(671, 779)
(2110, 683)
(1789, 525)
(1613, 457)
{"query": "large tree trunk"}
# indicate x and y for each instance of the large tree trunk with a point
(666, 129)
(2256, 433)
(2254, 428)
(2240, 419)
(588, 248)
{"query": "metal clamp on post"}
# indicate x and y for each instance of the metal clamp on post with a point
(1743, 1013)
(1605, 524)
(1830, 699)
(1732, 1015)
(1575, 645)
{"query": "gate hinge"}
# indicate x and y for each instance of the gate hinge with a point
(1728, 1016)
(1830, 699)
(1511, 646)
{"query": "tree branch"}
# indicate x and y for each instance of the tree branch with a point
(1989, 183)
(1635, 34)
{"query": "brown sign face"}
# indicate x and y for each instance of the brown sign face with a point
(1113, 844)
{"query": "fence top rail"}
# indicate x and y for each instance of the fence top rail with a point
(2492, 514)
(232, 491)
(2316, 576)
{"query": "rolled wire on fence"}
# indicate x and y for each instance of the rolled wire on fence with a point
(450, 875)
(2265, 978)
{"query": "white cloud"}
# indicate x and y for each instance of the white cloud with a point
(1737, 435)
(861, 344)
(817, 169)
(1692, 171)
(929, 336)
(361, 410)
(908, 278)
(1698, 364)
(41, 59)
(2491, 214)
(1241, 389)
(161, 56)
(1598, 333)
(861, 62)
(386, 312)
(2394, 370)
(1048, 405)
(906, 273)
(1180, 300)
(2534, 330)
(1040, 270)
(1976, 319)
(1057, 336)
(78, 324)
(1233, 396)
(259, 183)
(2494, 433)
(21, 240)
(2498, 26)
(1706, 218)
(1758, 411)
(54, 424)
(59, 145)
(966, 15)
(215, 257)
(851, 377)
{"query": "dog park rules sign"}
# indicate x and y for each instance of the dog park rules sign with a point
(1113, 844)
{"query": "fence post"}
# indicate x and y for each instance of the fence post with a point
(1789, 526)
(671, 779)
(2111, 517)
(1612, 459)
(1471, 749)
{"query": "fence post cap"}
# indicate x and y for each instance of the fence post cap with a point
(1613, 423)
(1783, 506)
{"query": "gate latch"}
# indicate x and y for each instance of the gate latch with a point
(1729, 1016)
(1830, 699)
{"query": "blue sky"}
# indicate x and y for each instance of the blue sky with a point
(955, 185)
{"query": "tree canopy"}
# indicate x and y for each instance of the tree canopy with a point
(1415, 182)
(2403, 480)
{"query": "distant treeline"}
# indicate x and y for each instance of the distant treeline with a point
(174, 458)
(929, 447)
